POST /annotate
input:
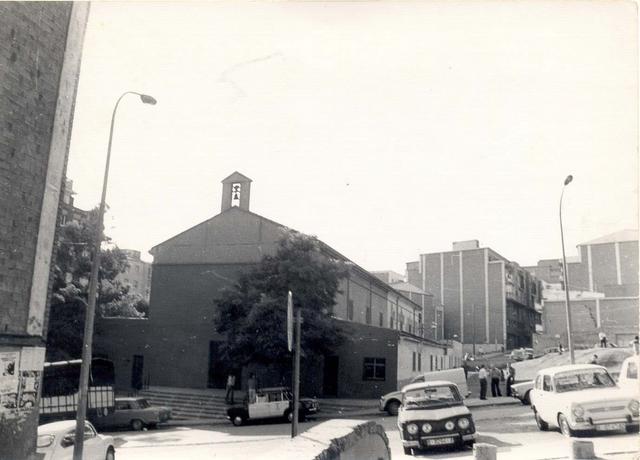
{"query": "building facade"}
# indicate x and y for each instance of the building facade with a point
(603, 281)
(178, 345)
(137, 276)
(488, 301)
(68, 212)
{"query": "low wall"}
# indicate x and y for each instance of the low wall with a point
(338, 440)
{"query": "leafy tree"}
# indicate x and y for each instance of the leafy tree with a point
(70, 285)
(251, 314)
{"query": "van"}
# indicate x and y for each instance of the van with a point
(391, 401)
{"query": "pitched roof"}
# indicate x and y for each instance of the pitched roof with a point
(236, 177)
(617, 237)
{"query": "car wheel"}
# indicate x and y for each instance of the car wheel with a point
(111, 454)
(408, 451)
(527, 398)
(542, 425)
(563, 423)
(137, 425)
(632, 428)
(237, 420)
(392, 407)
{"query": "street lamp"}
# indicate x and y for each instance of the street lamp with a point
(93, 285)
(567, 181)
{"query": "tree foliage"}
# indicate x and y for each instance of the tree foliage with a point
(251, 314)
(70, 284)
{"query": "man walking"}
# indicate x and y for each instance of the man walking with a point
(495, 381)
(603, 339)
(511, 377)
(231, 382)
(482, 376)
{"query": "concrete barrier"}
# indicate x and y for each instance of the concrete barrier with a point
(483, 451)
(582, 450)
(338, 439)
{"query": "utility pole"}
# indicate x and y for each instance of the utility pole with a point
(473, 313)
(296, 377)
(566, 278)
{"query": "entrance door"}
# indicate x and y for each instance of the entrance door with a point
(137, 370)
(216, 377)
(330, 379)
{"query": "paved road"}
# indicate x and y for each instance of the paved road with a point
(511, 428)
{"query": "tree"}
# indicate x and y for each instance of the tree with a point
(251, 314)
(71, 271)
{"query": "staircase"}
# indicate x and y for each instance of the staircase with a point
(188, 403)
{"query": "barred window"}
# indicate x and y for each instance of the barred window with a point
(374, 369)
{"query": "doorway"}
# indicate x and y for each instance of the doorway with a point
(137, 371)
(330, 377)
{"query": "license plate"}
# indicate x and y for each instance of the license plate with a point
(610, 426)
(440, 441)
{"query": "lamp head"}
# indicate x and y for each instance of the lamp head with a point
(568, 180)
(148, 99)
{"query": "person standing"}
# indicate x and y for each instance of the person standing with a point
(495, 381)
(603, 339)
(231, 382)
(511, 378)
(482, 377)
(251, 386)
(594, 360)
(636, 345)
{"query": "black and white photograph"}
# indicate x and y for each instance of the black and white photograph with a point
(308, 229)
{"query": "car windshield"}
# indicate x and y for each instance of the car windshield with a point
(143, 403)
(582, 380)
(432, 396)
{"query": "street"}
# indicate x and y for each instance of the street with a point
(510, 428)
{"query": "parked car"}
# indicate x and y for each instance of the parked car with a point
(391, 402)
(55, 442)
(271, 403)
(433, 414)
(522, 391)
(135, 413)
(628, 379)
(582, 397)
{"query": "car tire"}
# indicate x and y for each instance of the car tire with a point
(288, 415)
(527, 398)
(137, 424)
(565, 429)
(111, 454)
(542, 425)
(408, 451)
(237, 420)
(392, 407)
(632, 428)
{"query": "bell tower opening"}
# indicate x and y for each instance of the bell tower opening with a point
(236, 192)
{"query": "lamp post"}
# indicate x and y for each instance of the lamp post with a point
(83, 389)
(567, 181)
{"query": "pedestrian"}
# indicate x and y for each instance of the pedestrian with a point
(603, 339)
(482, 377)
(636, 345)
(594, 359)
(495, 381)
(560, 348)
(251, 387)
(466, 371)
(231, 382)
(511, 377)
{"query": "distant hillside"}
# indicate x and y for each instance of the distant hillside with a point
(611, 358)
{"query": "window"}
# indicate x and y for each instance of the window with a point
(275, 396)
(413, 367)
(430, 362)
(368, 314)
(419, 361)
(546, 383)
(381, 319)
(632, 371)
(374, 369)
(350, 310)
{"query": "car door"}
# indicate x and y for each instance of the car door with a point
(93, 445)
(546, 406)
(260, 408)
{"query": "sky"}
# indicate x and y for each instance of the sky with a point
(387, 129)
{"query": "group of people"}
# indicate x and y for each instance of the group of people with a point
(231, 383)
(496, 376)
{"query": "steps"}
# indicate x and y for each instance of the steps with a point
(188, 404)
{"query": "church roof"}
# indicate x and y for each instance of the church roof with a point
(617, 237)
(236, 177)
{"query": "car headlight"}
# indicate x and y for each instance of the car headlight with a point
(426, 427)
(463, 423)
(44, 440)
(578, 411)
(412, 428)
(634, 406)
(449, 425)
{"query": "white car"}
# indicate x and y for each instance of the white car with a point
(582, 397)
(55, 442)
(628, 379)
